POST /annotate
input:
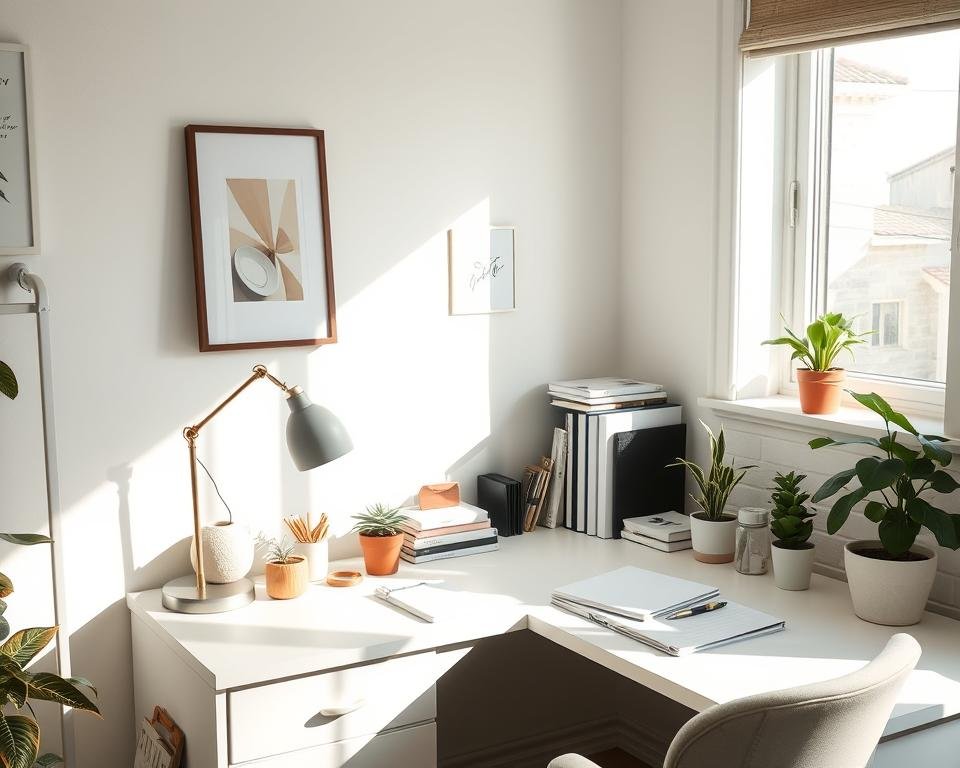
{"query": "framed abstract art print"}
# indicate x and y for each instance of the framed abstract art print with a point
(261, 237)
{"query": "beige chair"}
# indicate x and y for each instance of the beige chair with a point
(833, 724)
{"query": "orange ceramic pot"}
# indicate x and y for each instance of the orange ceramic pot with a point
(289, 579)
(820, 391)
(381, 554)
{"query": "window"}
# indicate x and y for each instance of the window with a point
(885, 324)
(857, 144)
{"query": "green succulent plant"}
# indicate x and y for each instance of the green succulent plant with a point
(897, 480)
(379, 520)
(718, 482)
(278, 550)
(791, 522)
(826, 338)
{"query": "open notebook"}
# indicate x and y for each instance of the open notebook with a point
(635, 593)
(425, 600)
(683, 636)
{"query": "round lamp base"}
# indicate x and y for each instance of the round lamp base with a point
(180, 595)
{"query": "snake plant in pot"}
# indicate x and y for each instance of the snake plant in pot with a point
(19, 684)
(713, 530)
(819, 381)
(791, 525)
(890, 577)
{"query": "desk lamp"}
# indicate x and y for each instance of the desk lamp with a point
(314, 437)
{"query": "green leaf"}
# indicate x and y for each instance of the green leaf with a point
(48, 760)
(940, 523)
(46, 686)
(821, 442)
(875, 474)
(6, 586)
(874, 511)
(841, 509)
(26, 539)
(834, 484)
(874, 402)
(898, 532)
(27, 643)
(941, 482)
(84, 682)
(921, 468)
(19, 741)
(933, 451)
(8, 381)
(898, 449)
(900, 420)
(4, 628)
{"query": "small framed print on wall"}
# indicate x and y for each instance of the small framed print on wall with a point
(261, 237)
(19, 231)
(482, 270)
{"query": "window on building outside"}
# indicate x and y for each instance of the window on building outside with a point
(888, 121)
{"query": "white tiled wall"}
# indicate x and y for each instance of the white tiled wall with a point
(781, 449)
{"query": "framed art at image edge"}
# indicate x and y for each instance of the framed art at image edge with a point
(260, 222)
(19, 219)
(482, 270)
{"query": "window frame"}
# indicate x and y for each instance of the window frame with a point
(807, 148)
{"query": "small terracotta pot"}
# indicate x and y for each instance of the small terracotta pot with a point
(820, 391)
(381, 554)
(286, 580)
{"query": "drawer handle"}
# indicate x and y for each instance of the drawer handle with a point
(345, 709)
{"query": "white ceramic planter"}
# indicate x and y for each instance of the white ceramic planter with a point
(227, 552)
(887, 591)
(714, 541)
(792, 567)
(317, 557)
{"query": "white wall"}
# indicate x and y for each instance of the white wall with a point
(669, 182)
(432, 111)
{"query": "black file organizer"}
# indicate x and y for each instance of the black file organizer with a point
(499, 495)
(643, 484)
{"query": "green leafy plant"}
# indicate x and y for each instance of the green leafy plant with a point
(791, 522)
(826, 338)
(897, 480)
(278, 550)
(8, 381)
(716, 484)
(379, 520)
(19, 732)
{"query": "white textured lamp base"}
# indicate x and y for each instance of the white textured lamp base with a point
(180, 595)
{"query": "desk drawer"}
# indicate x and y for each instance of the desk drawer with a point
(414, 747)
(309, 711)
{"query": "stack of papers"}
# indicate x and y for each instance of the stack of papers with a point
(425, 599)
(634, 602)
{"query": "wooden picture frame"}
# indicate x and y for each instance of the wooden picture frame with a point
(19, 214)
(260, 221)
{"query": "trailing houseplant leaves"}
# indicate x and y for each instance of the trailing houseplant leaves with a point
(27, 643)
(19, 741)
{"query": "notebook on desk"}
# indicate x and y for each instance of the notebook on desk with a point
(634, 593)
(680, 637)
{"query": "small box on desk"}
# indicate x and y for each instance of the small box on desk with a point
(500, 495)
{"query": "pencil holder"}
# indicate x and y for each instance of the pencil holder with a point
(317, 557)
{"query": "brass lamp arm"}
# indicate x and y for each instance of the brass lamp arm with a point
(190, 434)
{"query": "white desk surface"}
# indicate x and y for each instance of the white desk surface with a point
(332, 627)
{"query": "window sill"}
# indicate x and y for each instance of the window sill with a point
(784, 411)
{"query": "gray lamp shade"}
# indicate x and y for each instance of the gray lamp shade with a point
(314, 435)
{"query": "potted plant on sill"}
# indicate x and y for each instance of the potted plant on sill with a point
(20, 741)
(890, 578)
(791, 525)
(381, 538)
(821, 384)
(286, 574)
(712, 530)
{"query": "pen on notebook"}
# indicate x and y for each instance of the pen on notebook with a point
(697, 610)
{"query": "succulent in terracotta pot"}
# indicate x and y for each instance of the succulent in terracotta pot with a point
(381, 537)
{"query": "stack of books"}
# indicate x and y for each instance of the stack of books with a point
(605, 394)
(438, 534)
(536, 483)
(669, 532)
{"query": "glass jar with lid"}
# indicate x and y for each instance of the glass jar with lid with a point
(753, 540)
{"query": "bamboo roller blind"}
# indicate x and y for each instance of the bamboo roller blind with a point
(785, 26)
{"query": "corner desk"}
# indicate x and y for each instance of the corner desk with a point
(339, 678)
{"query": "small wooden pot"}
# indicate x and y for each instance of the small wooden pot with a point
(381, 554)
(820, 391)
(286, 580)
